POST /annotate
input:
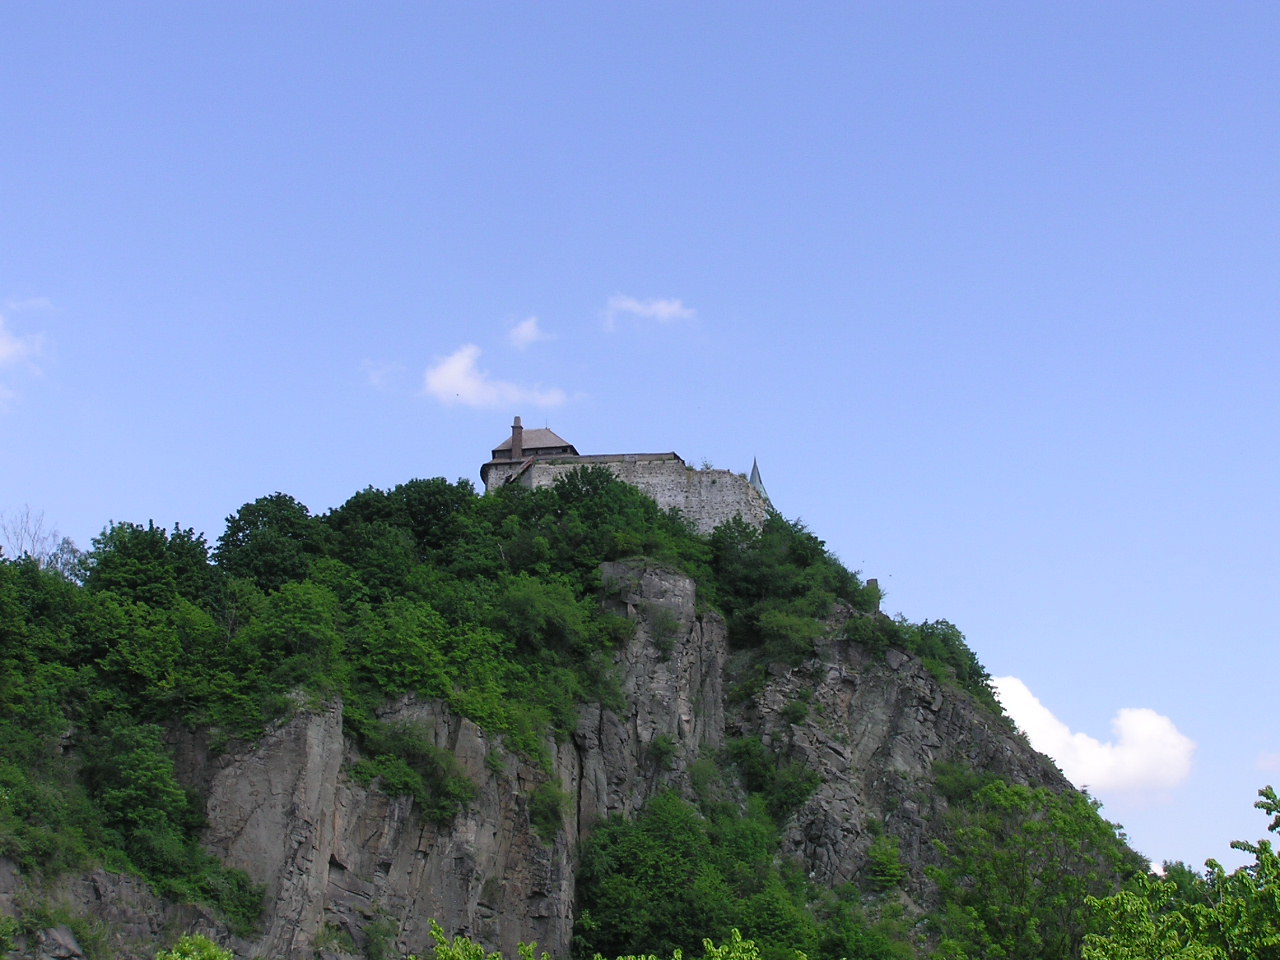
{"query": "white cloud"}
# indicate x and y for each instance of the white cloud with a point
(1147, 754)
(663, 311)
(1268, 762)
(380, 374)
(455, 379)
(525, 333)
(28, 303)
(14, 348)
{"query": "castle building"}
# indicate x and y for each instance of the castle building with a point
(709, 497)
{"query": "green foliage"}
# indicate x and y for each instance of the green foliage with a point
(784, 785)
(8, 934)
(404, 761)
(1220, 916)
(195, 947)
(876, 632)
(958, 782)
(664, 628)
(298, 637)
(795, 711)
(150, 566)
(652, 882)
(491, 604)
(662, 752)
(787, 637)
(675, 876)
(885, 870)
(939, 643)
(91, 668)
(271, 541)
(463, 948)
(1019, 864)
(379, 936)
(772, 584)
(334, 939)
(547, 806)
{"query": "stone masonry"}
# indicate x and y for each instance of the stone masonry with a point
(708, 498)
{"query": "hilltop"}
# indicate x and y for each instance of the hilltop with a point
(556, 713)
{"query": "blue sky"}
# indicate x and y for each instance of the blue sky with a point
(989, 289)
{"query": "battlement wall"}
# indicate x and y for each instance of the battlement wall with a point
(706, 497)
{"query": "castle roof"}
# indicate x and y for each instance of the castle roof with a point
(537, 439)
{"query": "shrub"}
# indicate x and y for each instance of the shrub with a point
(885, 870)
(662, 752)
(195, 947)
(784, 785)
(408, 763)
(547, 806)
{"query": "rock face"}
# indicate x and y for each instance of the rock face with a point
(349, 869)
(345, 864)
(119, 912)
(874, 729)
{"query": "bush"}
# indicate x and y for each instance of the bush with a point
(662, 752)
(406, 762)
(784, 785)
(195, 947)
(885, 870)
(957, 782)
(547, 807)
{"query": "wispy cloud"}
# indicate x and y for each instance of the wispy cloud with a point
(456, 380)
(15, 349)
(1268, 762)
(526, 332)
(621, 307)
(1148, 754)
(18, 304)
(380, 375)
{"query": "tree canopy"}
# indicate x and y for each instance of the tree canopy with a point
(493, 605)
(1184, 916)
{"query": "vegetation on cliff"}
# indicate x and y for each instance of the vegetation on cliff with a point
(493, 605)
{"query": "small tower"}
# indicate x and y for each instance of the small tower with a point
(756, 482)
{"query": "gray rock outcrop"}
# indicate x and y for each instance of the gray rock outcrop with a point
(348, 868)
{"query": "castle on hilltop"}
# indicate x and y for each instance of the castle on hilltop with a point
(708, 497)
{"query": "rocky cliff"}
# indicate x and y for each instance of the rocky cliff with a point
(350, 870)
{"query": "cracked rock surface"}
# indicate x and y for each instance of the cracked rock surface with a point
(345, 864)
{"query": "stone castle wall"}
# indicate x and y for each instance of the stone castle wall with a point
(706, 497)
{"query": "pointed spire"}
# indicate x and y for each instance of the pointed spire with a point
(755, 480)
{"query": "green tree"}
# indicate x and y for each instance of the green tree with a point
(298, 633)
(150, 565)
(885, 868)
(271, 541)
(1019, 863)
(651, 883)
(1223, 916)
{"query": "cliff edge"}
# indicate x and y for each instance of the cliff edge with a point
(350, 870)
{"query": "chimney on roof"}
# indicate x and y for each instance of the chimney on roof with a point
(517, 440)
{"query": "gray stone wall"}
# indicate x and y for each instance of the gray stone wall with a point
(707, 497)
